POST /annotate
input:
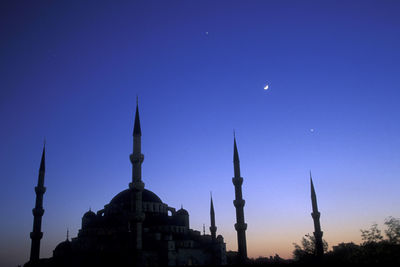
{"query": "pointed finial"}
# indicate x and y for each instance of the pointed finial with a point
(137, 100)
(181, 206)
(90, 208)
(67, 234)
(204, 229)
(234, 134)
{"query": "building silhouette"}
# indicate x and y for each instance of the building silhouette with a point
(135, 228)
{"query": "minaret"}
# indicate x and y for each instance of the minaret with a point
(213, 228)
(36, 234)
(319, 247)
(136, 186)
(239, 202)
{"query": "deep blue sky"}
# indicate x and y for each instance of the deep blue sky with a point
(70, 72)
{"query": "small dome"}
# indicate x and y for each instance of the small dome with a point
(182, 211)
(89, 219)
(89, 214)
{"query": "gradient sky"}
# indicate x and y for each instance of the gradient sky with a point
(70, 73)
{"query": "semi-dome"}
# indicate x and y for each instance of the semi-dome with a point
(125, 197)
(64, 245)
(62, 249)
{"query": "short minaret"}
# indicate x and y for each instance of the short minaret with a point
(213, 228)
(239, 202)
(137, 186)
(319, 247)
(38, 211)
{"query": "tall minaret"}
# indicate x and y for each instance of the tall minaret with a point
(213, 228)
(239, 202)
(319, 247)
(137, 186)
(38, 211)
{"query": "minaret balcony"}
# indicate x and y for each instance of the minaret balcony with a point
(237, 181)
(239, 203)
(240, 226)
(40, 190)
(136, 158)
(315, 215)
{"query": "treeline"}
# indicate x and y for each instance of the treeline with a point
(375, 248)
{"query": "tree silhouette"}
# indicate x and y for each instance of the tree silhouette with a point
(393, 230)
(374, 250)
(372, 235)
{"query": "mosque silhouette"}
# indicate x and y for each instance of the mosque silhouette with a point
(137, 229)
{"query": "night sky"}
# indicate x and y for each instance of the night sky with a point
(70, 72)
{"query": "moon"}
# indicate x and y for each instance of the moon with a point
(266, 87)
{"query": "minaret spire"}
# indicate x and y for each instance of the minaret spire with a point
(313, 196)
(236, 162)
(36, 234)
(239, 203)
(136, 128)
(319, 247)
(213, 228)
(137, 187)
(137, 156)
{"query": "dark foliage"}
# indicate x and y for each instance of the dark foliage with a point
(375, 250)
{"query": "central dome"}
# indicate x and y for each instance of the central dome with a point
(125, 197)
